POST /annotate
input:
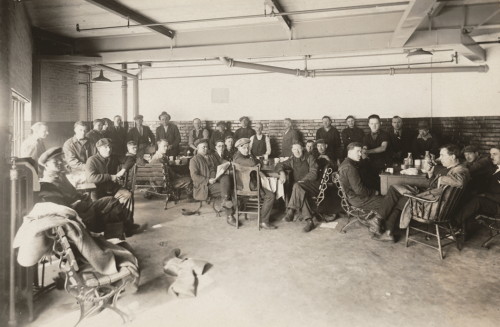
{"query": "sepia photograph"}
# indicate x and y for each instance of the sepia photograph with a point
(244, 163)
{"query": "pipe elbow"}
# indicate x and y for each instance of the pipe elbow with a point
(484, 69)
(226, 61)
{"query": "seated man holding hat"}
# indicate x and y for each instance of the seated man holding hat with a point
(244, 131)
(56, 188)
(102, 169)
(203, 171)
(304, 169)
(219, 134)
(142, 136)
(243, 158)
(173, 180)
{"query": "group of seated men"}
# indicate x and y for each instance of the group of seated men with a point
(108, 151)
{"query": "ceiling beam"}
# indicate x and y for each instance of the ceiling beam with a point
(125, 12)
(83, 60)
(451, 39)
(414, 15)
(285, 20)
(116, 71)
(436, 9)
(52, 37)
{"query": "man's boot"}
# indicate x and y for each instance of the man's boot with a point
(227, 203)
(386, 236)
(231, 221)
(267, 226)
(289, 215)
(309, 227)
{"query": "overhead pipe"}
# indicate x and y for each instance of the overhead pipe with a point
(355, 72)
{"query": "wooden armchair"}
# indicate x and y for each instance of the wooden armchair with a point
(253, 202)
(92, 290)
(437, 212)
(354, 212)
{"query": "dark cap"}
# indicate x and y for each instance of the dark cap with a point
(104, 141)
(164, 113)
(229, 137)
(221, 123)
(199, 141)
(139, 117)
(423, 125)
(320, 141)
(470, 148)
(350, 116)
(244, 117)
(50, 153)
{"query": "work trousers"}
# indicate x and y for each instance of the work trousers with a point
(267, 205)
(141, 150)
(391, 207)
(107, 210)
(298, 200)
(477, 205)
(222, 189)
(372, 203)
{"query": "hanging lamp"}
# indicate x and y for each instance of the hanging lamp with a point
(101, 78)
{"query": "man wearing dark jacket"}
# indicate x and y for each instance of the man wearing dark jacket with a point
(203, 171)
(351, 134)
(170, 132)
(331, 137)
(401, 140)
(56, 188)
(243, 158)
(96, 133)
(142, 136)
(488, 201)
(78, 148)
(244, 131)
(221, 133)
(118, 135)
(304, 170)
(424, 142)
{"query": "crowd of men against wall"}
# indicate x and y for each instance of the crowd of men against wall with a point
(109, 150)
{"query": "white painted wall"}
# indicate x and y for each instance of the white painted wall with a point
(275, 96)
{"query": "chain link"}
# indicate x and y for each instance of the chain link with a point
(324, 185)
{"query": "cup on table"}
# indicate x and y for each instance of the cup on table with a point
(265, 161)
(418, 163)
(276, 160)
(266, 157)
(178, 162)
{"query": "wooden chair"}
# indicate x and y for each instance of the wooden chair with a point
(91, 288)
(146, 177)
(253, 202)
(493, 224)
(436, 212)
(354, 212)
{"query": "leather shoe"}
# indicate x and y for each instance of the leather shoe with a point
(267, 226)
(309, 227)
(289, 215)
(387, 236)
(227, 203)
(231, 221)
(135, 229)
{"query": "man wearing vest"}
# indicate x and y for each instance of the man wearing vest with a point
(260, 144)
(195, 134)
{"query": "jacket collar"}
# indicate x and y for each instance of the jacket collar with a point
(83, 141)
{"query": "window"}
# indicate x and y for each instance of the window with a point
(19, 126)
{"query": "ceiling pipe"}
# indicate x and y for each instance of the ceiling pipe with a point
(355, 72)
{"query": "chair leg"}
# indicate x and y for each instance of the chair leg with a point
(166, 201)
(217, 213)
(455, 238)
(198, 210)
(440, 249)
(349, 222)
(407, 235)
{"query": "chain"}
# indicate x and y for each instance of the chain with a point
(323, 186)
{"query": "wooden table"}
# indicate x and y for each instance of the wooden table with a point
(387, 179)
(268, 169)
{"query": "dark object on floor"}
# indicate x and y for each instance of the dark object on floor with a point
(187, 212)
(493, 224)
(136, 229)
(309, 227)
(357, 214)
(437, 211)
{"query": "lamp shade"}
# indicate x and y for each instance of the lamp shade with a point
(419, 52)
(101, 78)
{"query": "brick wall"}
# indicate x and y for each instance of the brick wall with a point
(481, 131)
(21, 51)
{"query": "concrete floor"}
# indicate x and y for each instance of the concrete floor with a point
(287, 278)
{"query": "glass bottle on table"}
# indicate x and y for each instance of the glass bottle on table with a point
(410, 159)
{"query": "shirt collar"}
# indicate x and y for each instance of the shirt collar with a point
(375, 134)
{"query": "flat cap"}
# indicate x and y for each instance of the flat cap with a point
(320, 141)
(139, 117)
(50, 153)
(164, 113)
(470, 148)
(104, 141)
(221, 123)
(241, 142)
(244, 117)
(229, 137)
(199, 141)
(350, 116)
(423, 125)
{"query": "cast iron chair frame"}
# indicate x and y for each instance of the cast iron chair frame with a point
(493, 224)
(355, 212)
(444, 217)
(100, 294)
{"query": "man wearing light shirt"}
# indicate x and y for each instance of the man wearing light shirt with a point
(259, 143)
